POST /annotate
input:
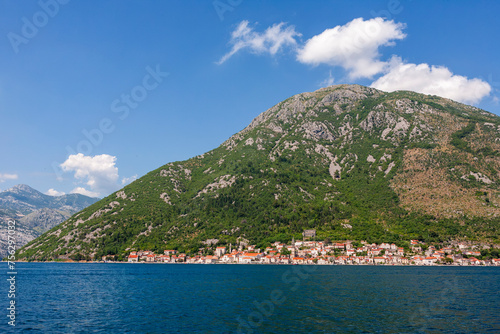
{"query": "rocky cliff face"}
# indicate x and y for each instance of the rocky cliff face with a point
(35, 212)
(394, 166)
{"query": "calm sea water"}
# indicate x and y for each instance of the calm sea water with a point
(162, 298)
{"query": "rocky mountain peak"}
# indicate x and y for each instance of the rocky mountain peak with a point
(22, 188)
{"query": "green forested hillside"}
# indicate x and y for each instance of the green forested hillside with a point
(350, 161)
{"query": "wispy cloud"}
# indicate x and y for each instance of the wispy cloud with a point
(271, 41)
(127, 180)
(6, 176)
(328, 81)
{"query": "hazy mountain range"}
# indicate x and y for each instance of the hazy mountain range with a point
(35, 212)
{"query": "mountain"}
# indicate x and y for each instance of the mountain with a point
(35, 212)
(24, 199)
(350, 161)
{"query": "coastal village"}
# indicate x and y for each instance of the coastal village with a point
(321, 253)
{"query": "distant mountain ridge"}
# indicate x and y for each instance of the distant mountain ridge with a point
(24, 199)
(35, 212)
(352, 162)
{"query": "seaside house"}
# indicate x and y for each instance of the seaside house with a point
(161, 258)
(416, 248)
(211, 259)
(429, 260)
(298, 260)
(473, 253)
(219, 251)
(350, 252)
(374, 251)
(170, 252)
(309, 244)
(249, 257)
(447, 250)
(228, 258)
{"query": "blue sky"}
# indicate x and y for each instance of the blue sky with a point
(96, 93)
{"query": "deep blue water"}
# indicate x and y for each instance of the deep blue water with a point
(162, 298)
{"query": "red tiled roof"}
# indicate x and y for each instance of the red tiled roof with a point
(250, 254)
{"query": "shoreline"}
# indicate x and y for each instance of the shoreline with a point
(257, 264)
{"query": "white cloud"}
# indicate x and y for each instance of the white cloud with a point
(4, 177)
(127, 180)
(353, 46)
(98, 172)
(53, 192)
(83, 191)
(270, 41)
(434, 80)
(328, 81)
